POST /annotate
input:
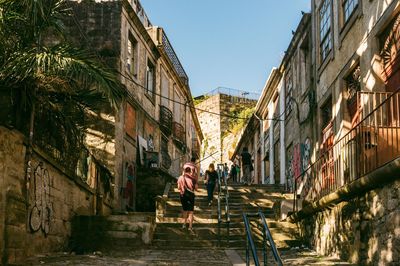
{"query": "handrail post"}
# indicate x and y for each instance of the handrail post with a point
(265, 246)
(247, 252)
(268, 237)
(250, 242)
(219, 209)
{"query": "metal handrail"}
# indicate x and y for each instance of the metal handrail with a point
(227, 214)
(268, 237)
(250, 243)
(219, 208)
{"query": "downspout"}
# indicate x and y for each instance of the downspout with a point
(271, 145)
(261, 142)
(282, 135)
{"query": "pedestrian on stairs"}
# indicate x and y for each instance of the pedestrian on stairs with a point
(211, 177)
(247, 166)
(194, 173)
(187, 185)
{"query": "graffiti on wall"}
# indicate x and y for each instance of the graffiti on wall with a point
(306, 153)
(298, 161)
(41, 211)
(127, 190)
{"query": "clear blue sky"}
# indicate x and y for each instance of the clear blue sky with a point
(228, 43)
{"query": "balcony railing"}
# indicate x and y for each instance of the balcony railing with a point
(169, 50)
(372, 143)
(179, 133)
(165, 120)
(364, 102)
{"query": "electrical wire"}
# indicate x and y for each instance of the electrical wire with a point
(158, 94)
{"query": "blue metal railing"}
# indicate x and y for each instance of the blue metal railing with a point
(250, 246)
(267, 237)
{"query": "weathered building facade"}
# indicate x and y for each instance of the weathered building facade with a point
(156, 128)
(280, 134)
(355, 48)
(131, 153)
(329, 129)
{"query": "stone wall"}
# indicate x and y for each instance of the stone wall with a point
(43, 223)
(364, 230)
(211, 127)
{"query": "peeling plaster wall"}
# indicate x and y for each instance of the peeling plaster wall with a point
(365, 230)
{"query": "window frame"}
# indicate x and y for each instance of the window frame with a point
(353, 11)
(132, 55)
(346, 25)
(148, 92)
(288, 92)
(329, 32)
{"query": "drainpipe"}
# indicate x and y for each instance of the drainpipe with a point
(282, 135)
(271, 145)
(261, 141)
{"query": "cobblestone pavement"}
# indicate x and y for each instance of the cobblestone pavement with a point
(214, 257)
(138, 257)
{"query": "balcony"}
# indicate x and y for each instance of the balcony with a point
(165, 120)
(173, 58)
(166, 161)
(178, 134)
(371, 144)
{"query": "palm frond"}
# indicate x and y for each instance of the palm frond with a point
(67, 63)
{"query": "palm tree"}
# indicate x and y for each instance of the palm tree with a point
(47, 76)
(53, 86)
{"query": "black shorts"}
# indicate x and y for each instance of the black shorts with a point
(187, 202)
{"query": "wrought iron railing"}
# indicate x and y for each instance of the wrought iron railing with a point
(364, 102)
(165, 120)
(372, 143)
(169, 50)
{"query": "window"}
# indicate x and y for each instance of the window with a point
(177, 108)
(131, 60)
(150, 74)
(130, 121)
(164, 89)
(325, 29)
(349, 6)
(289, 91)
(326, 113)
(353, 85)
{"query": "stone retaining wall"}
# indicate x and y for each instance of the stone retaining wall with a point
(42, 224)
(364, 230)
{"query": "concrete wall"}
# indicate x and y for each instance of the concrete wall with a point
(61, 195)
(364, 230)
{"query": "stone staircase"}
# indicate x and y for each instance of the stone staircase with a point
(248, 199)
(123, 232)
